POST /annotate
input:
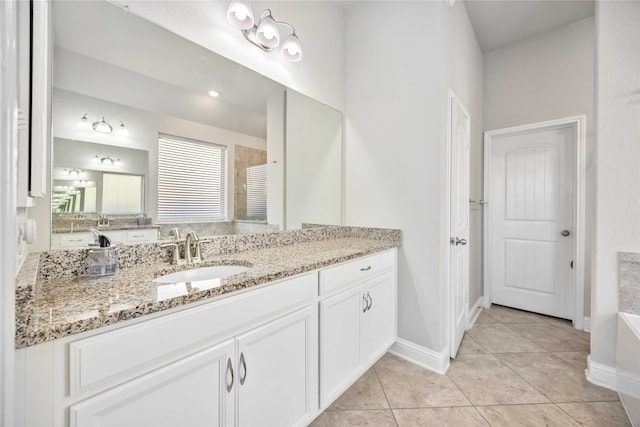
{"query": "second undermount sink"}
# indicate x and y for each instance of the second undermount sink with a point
(201, 274)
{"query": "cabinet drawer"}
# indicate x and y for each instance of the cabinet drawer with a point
(74, 240)
(336, 278)
(138, 348)
(147, 235)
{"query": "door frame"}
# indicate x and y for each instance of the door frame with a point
(577, 123)
(450, 311)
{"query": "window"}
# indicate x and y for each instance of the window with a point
(122, 193)
(191, 180)
(257, 192)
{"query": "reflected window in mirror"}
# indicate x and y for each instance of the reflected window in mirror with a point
(122, 193)
(191, 180)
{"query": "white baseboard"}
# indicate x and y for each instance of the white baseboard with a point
(602, 375)
(586, 324)
(486, 302)
(475, 312)
(629, 384)
(434, 361)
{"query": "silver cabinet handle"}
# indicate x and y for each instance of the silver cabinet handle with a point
(230, 370)
(565, 233)
(365, 306)
(243, 363)
(367, 268)
(370, 301)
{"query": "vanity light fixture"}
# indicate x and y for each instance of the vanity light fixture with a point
(107, 160)
(265, 34)
(101, 126)
(73, 172)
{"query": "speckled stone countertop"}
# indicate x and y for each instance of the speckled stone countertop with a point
(51, 308)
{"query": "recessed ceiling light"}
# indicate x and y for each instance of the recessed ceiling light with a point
(214, 93)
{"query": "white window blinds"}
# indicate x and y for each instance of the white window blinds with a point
(257, 192)
(191, 180)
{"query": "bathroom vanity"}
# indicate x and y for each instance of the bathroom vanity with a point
(273, 346)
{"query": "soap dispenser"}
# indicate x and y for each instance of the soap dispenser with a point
(102, 258)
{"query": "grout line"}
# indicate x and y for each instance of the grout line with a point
(375, 371)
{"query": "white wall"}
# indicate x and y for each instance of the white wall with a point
(546, 77)
(320, 26)
(617, 216)
(396, 113)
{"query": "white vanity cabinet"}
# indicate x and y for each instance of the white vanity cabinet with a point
(274, 355)
(357, 324)
(261, 377)
(248, 359)
(80, 239)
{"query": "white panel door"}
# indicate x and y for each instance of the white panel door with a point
(459, 223)
(530, 214)
(278, 372)
(194, 391)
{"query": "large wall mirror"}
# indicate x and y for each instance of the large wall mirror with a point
(189, 136)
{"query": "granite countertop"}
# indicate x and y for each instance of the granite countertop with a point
(47, 309)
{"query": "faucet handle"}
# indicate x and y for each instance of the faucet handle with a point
(175, 232)
(175, 258)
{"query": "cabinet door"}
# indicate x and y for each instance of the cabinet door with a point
(339, 342)
(189, 392)
(378, 321)
(278, 370)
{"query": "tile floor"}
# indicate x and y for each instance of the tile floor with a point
(514, 368)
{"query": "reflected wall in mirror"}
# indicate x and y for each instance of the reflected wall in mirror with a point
(111, 64)
(90, 178)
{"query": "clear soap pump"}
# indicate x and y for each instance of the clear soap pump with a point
(102, 258)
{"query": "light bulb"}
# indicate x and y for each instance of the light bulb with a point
(117, 162)
(84, 123)
(240, 14)
(214, 93)
(291, 49)
(73, 173)
(122, 130)
(267, 33)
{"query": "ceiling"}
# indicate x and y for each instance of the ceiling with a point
(501, 22)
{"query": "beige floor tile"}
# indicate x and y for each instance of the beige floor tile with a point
(597, 414)
(556, 378)
(487, 381)
(366, 393)
(551, 336)
(437, 417)
(577, 359)
(409, 386)
(500, 314)
(377, 418)
(499, 338)
(469, 346)
(526, 416)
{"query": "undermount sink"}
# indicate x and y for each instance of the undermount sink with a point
(202, 274)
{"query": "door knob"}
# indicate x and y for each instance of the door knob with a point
(565, 233)
(458, 241)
